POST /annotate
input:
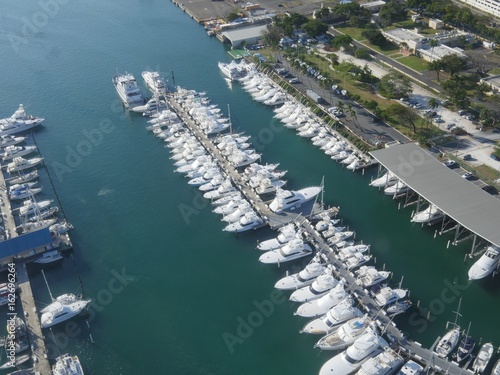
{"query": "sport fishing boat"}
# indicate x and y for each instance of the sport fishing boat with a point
(64, 307)
(286, 233)
(345, 334)
(364, 347)
(369, 276)
(10, 140)
(483, 358)
(302, 278)
(67, 365)
(317, 289)
(10, 152)
(19, 164)
(250, 221)
(488, 263)
(337, 315)
(289, 200)
(385, 363)
(294, 249)
(411, 368)
(320, 306)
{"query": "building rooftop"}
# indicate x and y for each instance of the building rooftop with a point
(25, 242)
(464, 202)
(404, 35)
(243, 33)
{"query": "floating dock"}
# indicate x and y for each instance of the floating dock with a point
(39, 352)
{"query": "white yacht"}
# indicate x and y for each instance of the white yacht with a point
(228, 208)
(385, 180)
(286, 233)
(60, 228)
(18, 122)
(10, 152)
(369, 276)
(226, 188)
(317, 289)
(448, 342)
(24, 193)
(411, 368)
(430, 214)
(355, 260)
(398, 188)
(231, 70)
(67, 365)
(49, 257)
(294, 249)
(340, 237)
(30, 206)
(345, 334)
(250, 221)
(496, 368)
(127, 89)
(40, 224)
(320, 306)
(385, 363)
(22, 178)
(364, 347)
(348, 251)
(61, 309)
(339, 314)
(10, 140)
(20, 164)
(23, 186)
(243, 208)
(387, 296)
(289, 200)
(302, 278)
(485, 265)
(483, 358)
(155, 83)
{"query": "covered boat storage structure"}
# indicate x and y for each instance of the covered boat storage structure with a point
(468, 210)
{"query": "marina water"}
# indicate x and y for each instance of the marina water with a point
(172, 293)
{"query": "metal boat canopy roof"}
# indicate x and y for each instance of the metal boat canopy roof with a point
(464, 202)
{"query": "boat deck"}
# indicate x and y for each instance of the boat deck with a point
(39, 351)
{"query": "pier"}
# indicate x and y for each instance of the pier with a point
(365, 300)
(39, 352)
(9, 223)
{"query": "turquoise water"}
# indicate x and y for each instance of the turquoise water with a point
(184, 286)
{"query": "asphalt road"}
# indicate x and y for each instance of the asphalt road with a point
(365, 125)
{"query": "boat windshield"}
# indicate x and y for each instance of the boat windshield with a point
(350, 359)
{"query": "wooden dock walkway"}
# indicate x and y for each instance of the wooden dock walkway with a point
(9, 223)
(39, 352)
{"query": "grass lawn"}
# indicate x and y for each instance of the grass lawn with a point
(353, 32)
(485, 172)
(387, 49)
(494, 71)
(414, 62)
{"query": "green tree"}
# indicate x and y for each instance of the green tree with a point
(272, 35)
(456, 92)
(314, 28)
(392, 12)
(436, 66)
(341, 41)
(453, 64)
(346, 11)
(362, 53)
(374, 37)
(322, 13)
(404, 115)
(433, 103)
(231, 16)
(395, 85)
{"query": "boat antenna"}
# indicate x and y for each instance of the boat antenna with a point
(457, 313)
(46, 283)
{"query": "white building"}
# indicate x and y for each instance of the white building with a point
(493, 82)
(489, 6)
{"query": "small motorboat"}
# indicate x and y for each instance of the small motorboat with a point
(302, 278)
(483, 358)
(49, 257)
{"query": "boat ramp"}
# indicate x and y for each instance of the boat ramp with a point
(410, 348)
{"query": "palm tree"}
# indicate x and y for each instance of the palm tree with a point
(433, 43)
(404, 46)
(433, 103)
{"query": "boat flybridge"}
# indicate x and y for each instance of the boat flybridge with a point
(155, 82)
(18, 123)
(289, 200)
(302, 278)
(128, 90)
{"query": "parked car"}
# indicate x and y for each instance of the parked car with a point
(462, 112)
(450, 163)
(467, 157)
(468, 175)
(490, 189)
(293, 80)
(451, 126)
